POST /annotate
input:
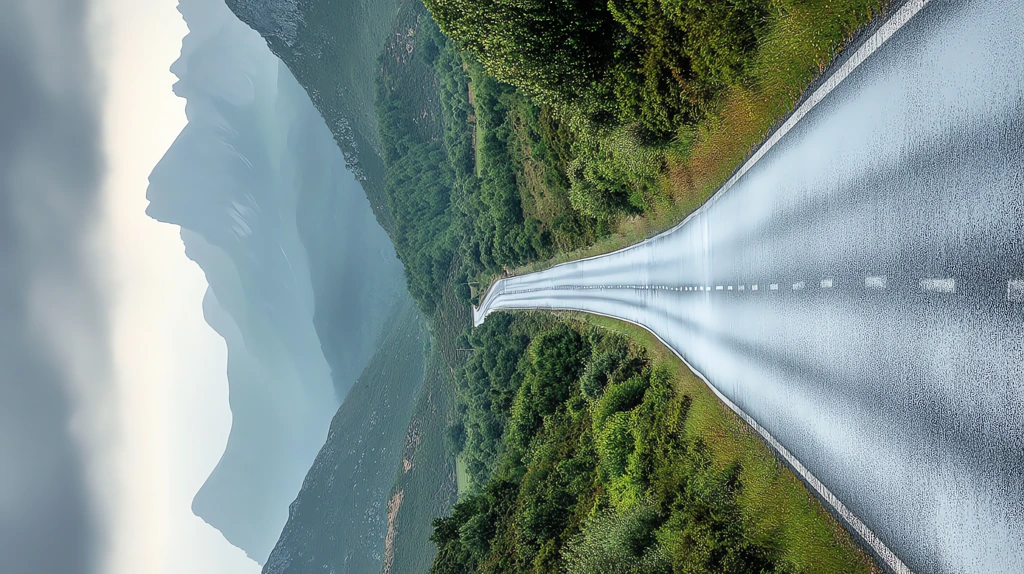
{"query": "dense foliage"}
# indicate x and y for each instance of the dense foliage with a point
(582, 463)
(419, 172)
(475, 171)
(653, 63)
(545, 132)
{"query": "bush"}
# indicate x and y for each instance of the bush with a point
(595, 377)
(614, 543)
(609, 362)
(613, 172)
(558, 51)
(556, 360)
(614, 445)
(620, 397)
(455, 437)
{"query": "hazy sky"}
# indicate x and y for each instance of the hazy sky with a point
(113, 393)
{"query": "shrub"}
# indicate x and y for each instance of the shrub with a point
(620, 397)
(619, 543)
(556, 360)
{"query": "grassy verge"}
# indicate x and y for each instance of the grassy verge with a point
(774, 501)
(461, 475)
(802, 38)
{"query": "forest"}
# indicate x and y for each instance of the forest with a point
(476, 170)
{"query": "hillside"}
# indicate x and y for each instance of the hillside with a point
(339, 520)
(286, 239)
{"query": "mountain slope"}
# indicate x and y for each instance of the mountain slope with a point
(339, 520)
(302, 279)
(332, 49)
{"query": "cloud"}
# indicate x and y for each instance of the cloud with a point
(52, 327)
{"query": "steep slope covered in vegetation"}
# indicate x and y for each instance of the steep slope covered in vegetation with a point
(588, 453)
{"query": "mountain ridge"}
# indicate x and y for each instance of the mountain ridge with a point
(302, 278)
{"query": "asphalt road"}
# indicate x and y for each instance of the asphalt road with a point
(857, 290)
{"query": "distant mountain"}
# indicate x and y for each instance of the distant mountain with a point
(339, 521)
(336, 49)
(302, 278)
(332, 47)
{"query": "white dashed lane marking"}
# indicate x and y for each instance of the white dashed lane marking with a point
(1014, 287)
(938, 285)
(1015, 291)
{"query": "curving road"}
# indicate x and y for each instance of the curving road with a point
(856, 291)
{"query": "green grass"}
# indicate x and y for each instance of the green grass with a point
(802, 38)
(477, 145)
(775, 502)
(461, 476)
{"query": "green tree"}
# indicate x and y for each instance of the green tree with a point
(619, 543)
(556, 360)
(556, 50)
(653, 63)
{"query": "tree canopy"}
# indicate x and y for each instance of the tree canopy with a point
(652, 63)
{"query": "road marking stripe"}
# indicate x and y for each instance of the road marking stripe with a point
(1015, 290)
(754, 287)
(742, 287)
(875, 282)
(774, 286)
(718, 287)
(799, 286)
(938, 285)
(826, 283)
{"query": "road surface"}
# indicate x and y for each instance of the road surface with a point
(856, 291)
